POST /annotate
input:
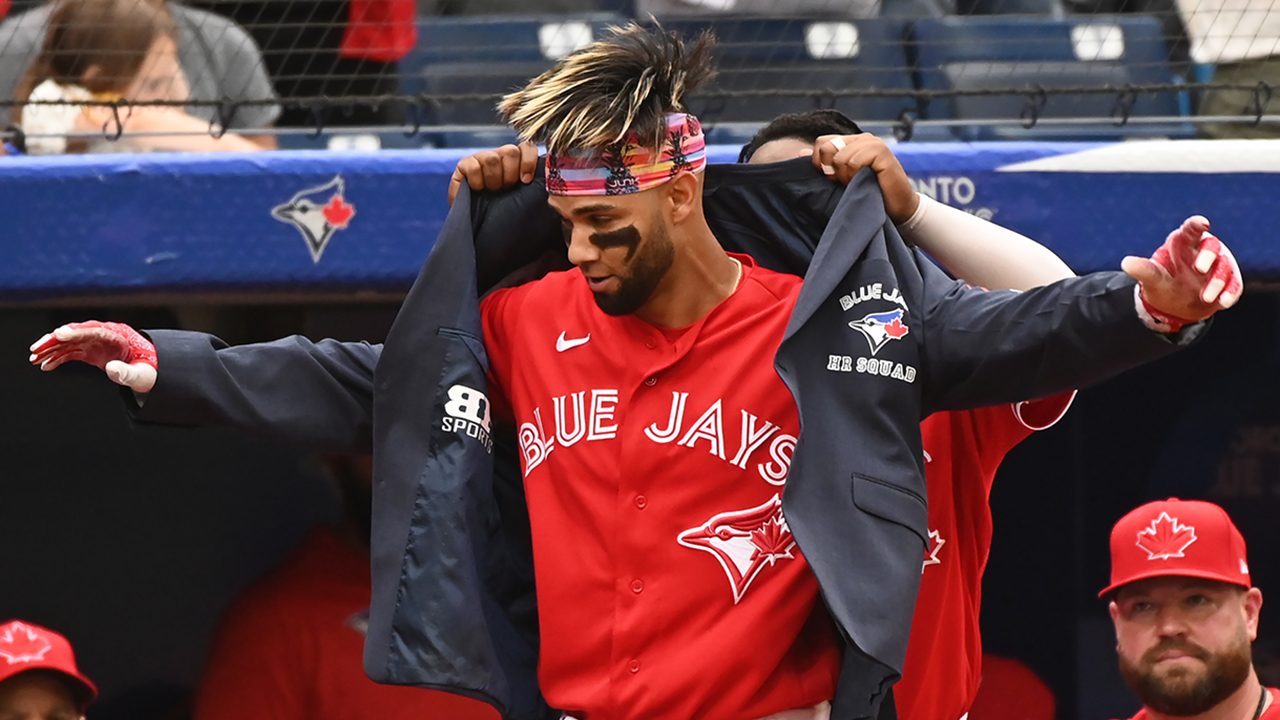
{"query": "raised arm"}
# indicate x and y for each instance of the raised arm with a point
(315, 394)
(980, 252)
(984, 348)
(970, 248)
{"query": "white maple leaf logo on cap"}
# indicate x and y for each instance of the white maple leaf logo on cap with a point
(21, 644)
(1166, 538)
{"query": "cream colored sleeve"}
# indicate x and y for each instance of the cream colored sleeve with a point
(980, 252)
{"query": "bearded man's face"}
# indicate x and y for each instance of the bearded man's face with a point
(1184, 644)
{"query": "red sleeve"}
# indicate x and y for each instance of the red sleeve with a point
(1043, 414)
(998, 429)
(498, 314)
(4, 8)
(258, 669)
(1011, 691)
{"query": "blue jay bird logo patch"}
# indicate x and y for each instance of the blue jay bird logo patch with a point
(317, 213)
(879, 328)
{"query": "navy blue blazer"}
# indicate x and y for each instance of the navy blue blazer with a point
(453, 587)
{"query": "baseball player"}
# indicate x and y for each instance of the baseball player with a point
(962, 449)
(654, 438)
(1186, 613)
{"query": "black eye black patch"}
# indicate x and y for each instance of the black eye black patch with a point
(627, 237)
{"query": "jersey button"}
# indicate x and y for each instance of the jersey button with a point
(634, 666)
(650, 344)
(636, 586)
(641, 501)
(651, 381)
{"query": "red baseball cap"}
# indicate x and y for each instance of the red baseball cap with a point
(1188, 538)
(24, 647)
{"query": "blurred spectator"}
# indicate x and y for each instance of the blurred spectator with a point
(17, 6)
(1011, 691)
(805, 8)
(291, 647)
(109, 50)
(333, 49)
(216, 60)
(1242, 39)
(38, 676)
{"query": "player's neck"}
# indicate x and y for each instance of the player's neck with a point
(1241, 705)
(700, 278)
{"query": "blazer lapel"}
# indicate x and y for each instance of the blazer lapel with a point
(858, 217)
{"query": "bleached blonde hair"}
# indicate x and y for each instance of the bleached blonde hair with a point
(623, 83)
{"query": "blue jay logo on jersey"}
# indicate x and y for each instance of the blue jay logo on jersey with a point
(879, 328)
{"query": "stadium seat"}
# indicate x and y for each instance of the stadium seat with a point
(916, 9)
(487, 56)
(1048, 8)
(990, 53)
(338, 140)
(803, 63)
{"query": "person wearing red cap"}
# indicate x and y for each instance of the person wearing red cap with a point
(39, 679)
(1186, 614)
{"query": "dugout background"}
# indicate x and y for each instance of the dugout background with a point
(132, 539)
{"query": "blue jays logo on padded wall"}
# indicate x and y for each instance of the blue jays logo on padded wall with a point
(317, 213)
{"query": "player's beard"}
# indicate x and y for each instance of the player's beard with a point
(1183, 694)
(649, 265)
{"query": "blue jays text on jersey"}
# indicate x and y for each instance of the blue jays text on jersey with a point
(579, 419)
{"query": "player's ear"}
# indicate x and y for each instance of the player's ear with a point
(684, 192)
(1252, 601)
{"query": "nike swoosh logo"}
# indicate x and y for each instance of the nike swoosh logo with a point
(562, 344)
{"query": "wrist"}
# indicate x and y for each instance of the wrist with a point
(912, 221)
(902, 213)
(1155, 318)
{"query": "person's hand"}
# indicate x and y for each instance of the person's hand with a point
(495, 169)
(1192, 276)
(121, 352)
(842, 156)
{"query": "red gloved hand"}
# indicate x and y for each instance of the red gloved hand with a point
(121, 352)
(1191, 276)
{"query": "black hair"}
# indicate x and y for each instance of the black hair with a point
(806, 126)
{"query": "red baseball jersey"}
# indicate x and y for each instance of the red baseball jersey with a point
(654, 460)
(963, 450)
(1272, 712)
(1011, 691)
(290, 648)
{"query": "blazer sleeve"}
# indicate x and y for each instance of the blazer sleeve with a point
(316, 394)
(992, 347)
